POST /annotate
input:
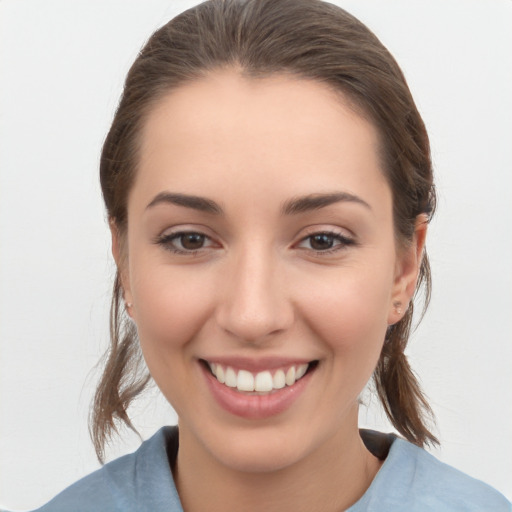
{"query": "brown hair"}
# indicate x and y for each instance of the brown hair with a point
(308, 39)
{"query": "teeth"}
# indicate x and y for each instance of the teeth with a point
(230, 379)
(219, 373)
(245, 381)
(301, 371)
(262, 382)
(279, 380)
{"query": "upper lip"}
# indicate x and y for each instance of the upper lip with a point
(257, 364)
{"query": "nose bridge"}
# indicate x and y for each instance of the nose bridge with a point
(254, 303)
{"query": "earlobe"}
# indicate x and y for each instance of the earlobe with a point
(407, 271)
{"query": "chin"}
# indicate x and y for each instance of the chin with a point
(259, 450)
(257, 458)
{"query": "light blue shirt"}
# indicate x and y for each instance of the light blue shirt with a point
(409, 480)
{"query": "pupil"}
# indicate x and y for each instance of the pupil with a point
(321, 242)
(192, 241)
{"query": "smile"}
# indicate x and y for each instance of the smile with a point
(254, 390)
(261, 382)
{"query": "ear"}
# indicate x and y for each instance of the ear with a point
(119, 254)
(407, 270)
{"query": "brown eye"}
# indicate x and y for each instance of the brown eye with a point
(192, 241)
(185, 242)
(326, 242)
(321, 242)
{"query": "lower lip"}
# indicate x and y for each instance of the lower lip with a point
(255, 406)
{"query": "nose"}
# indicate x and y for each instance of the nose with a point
(254, 305)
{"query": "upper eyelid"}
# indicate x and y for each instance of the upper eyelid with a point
(184, 229)
(326, 229)
(172, 233)
(179, 232)
(176, 234)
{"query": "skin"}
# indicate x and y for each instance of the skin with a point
(257, 288)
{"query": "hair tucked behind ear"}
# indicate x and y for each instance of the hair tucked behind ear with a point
(309, 39)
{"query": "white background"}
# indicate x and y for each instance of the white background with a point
(61, 68)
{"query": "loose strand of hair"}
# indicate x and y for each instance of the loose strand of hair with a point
(124, 378)
(397, 386)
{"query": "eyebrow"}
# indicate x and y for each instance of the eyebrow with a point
(292, 207)
(195, 202)
(317, 201)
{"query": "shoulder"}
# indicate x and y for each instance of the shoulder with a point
(413, 479)
(439, 485)
(141, 481)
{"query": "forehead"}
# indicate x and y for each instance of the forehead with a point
(230, 129)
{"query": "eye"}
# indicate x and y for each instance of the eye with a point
(325, 242)
(185, 242)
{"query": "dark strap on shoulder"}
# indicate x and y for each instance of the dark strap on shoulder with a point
(171, 445)
(377, 443)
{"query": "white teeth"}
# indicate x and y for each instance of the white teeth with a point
(279, 380)
(290, 376)
(262, 382)
(301, 371)
(245, 381)
(219, 373)
(230, 379)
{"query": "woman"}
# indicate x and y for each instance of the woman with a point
(268, 183)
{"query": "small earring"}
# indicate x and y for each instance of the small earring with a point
(398, 307)
(128, 305)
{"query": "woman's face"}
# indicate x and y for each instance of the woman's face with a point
(260, 246)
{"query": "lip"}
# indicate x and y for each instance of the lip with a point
(254, 406)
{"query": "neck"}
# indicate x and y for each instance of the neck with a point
(331, 479)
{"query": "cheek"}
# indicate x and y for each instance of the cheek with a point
(172, 305)
(349, 311)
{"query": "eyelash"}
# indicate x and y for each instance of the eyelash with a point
(343, 240)
(167, 242)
